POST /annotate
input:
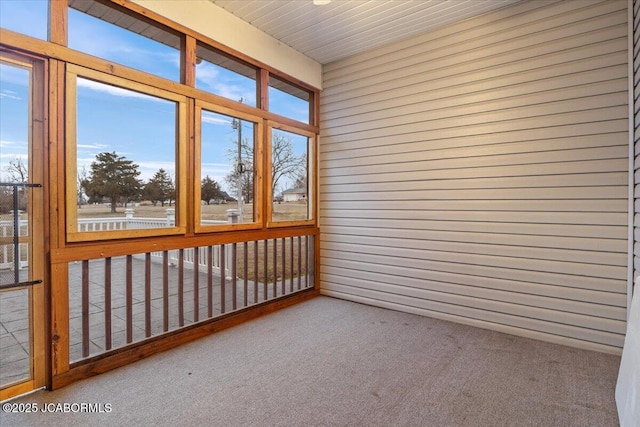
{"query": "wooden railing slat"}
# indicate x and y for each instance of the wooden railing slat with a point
(299, 239)
(181, 287)
(265, 257)
(107, 304)
(129, 299)
(85, 308)
(275, 268)
(284, 266)
(255, 272)
(210, 281)
(147, 294)
(165, 291)
(223, 284)
(196, 284)
(234, 276)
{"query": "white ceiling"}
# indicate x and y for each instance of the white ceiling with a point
(346, 27)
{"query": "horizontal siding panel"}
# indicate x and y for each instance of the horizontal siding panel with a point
(478, 148)
(488, 237)
(534, 306)
(449, 162)
(587, 45)
(409, 153)
(528, 234)
(480, 53)
(421, 270)
(479, 123)
(548, 99)
(609, 305)
(489, 205)
(414, 257)
(514, 73)
(343, 184)
(480, 173)
(563, 74)
(476, 32)
(444, 35)
(553, 114)
(467, 137)
(350, 243)
(563, 193)
(397, 218)
(587, 334)
(535, 170)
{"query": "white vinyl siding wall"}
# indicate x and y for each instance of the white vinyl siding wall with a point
(479, 173)
(636, 136)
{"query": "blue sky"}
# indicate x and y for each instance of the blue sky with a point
(136, 126)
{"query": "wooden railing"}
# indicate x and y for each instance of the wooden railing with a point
(115, 302)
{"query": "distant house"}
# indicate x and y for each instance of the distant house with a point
(294, 194)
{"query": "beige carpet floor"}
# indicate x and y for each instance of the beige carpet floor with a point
(328, 362)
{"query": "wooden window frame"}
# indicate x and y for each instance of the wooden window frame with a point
(258, 154)
(311, 120)
(73, 235)
(311, 176)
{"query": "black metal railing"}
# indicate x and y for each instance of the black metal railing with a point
(14, 199)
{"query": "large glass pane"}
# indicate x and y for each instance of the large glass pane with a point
(227, 187)
(126, 158)
(14, 164)
(105, 32)
(15, 336)
(288, 100)
(14, 122)
(289, 176)
(224, 76)
(25, 16)
(15, 332)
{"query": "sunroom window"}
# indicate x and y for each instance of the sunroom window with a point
(108, 33)
(291, 176)
(224, 76)
(27, 17)
(288, 100)
(230, 184)
(124, 158)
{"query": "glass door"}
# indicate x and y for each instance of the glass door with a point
(22, 219)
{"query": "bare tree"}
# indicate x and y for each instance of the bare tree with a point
(284, 162)
(83, 179)
(17, 171)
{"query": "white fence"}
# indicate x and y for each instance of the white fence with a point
(127, 222)
(6, 249)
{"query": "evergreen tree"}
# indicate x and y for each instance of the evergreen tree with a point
(160, 188)
(113, 177)
(210, 190)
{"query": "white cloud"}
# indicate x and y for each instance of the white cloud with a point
(221, 83)
(22, 156)
(206, 72)
(92, 146)
(216, 120)
(114, 90)
(9, 94)
(15, 75)
(5, 143)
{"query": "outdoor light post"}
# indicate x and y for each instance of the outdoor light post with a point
(237, 124)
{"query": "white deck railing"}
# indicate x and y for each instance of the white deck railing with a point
(6, 249)
(128, 222)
